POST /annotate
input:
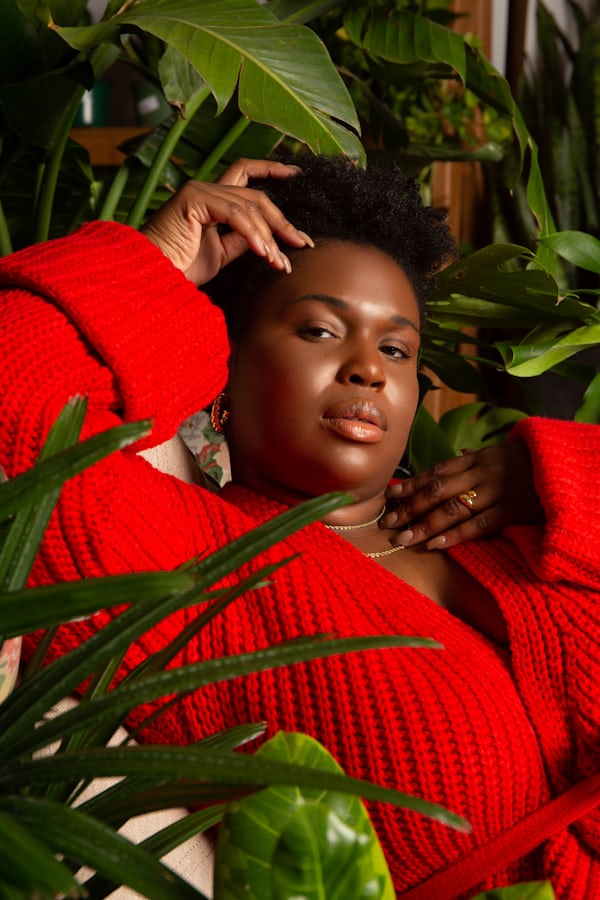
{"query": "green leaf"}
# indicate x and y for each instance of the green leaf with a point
(487, 83)
(179, 79)
(208, 144)
(28, 610)
(27, 863)
(453, 369)
(86, 841)
(52, 473)
(26, 531)
(36, 695)
(129, 694)
(67, 12)
(428, 443)
(134, 796)
(577, 247)
(402, 37)
(195, 763)
(589, 411)
(165, 840)
(475, 424)
(300, 11)
(306, 100)
(526, 360)
(289, 842)
(478, 291)
(36, 108)
(157, 792)
(20, 54)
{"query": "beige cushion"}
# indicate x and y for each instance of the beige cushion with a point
(174, 458)
(193, 860)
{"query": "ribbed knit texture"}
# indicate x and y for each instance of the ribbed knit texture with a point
(491, 737)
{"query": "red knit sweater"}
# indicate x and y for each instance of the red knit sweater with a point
(488, 735)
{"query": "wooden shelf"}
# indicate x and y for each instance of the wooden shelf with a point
(103, 143)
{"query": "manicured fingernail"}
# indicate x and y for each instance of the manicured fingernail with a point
(437, 543)
(306, 238)
(405, 537)
(390, 520)
(286, 263)
(268, 251)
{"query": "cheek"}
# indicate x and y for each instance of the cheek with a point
(271, 393)
(277, 373)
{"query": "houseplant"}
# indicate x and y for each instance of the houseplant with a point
(559, 99)
(47, 178)
(237, 90)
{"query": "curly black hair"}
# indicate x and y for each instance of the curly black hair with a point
(335, 200)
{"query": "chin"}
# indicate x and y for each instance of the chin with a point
(361, 486)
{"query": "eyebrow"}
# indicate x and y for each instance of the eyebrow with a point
(338, 303)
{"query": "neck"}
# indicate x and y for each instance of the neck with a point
(364, 510)
(363, 514)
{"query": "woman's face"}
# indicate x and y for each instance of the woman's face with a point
(323, 385)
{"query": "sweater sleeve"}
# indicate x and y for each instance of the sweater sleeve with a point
(566, 459)
(104, 314)
(163, 341)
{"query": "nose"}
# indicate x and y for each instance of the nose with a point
(363, 366)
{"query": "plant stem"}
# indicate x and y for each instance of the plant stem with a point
(142, 203)
(115, 192)
(5, 241)
(101, 58)
(43, 212)
(221, 148)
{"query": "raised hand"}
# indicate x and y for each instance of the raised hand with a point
(185, 228)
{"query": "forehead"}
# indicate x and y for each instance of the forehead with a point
(353, 273)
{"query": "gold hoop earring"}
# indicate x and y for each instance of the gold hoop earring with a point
(219, 413)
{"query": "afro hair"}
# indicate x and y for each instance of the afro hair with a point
(335, 200)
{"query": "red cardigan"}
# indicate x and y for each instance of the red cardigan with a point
(490, 735)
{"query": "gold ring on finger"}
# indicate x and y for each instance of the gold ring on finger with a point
(467, 499)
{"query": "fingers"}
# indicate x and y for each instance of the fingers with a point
(250, 215)
(464, 498)
(479, 525)
(183, 227)
(238, 175)
(421, 493)
(461, 499)
(242, 170)
(449, 524)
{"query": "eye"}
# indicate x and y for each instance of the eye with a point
(395, 352)
(315, 332)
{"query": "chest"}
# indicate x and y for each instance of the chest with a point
(443, 580)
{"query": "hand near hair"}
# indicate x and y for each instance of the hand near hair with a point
(185, 227)
(497, 489)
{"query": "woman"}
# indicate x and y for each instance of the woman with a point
(322, 389)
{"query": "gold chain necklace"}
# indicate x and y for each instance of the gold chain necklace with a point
(384, 552)
(354, 527)
(374, 521)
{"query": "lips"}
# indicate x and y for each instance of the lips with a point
(357, 420)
